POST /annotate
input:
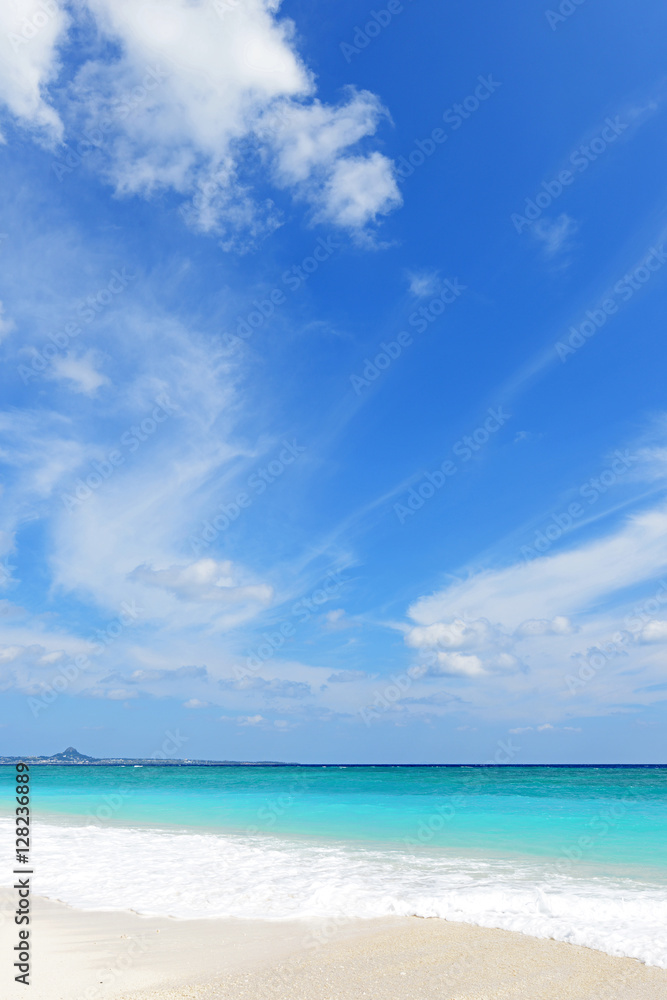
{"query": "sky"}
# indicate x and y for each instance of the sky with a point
(333, 420)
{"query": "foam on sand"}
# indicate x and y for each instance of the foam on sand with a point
(193, 875)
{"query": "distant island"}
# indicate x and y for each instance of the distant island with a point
(72, 756)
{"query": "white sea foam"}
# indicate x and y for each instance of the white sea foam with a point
(188, 875)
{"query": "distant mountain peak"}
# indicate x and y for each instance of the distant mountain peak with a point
(71, 753)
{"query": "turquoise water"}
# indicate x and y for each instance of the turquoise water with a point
(577, 854)
(532, 811)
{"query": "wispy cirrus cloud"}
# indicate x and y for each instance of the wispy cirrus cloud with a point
(80, 371)
(523, 629)
(7, 325)
(555, 235)
(558, 585)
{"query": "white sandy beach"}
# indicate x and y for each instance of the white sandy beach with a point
(122, 956)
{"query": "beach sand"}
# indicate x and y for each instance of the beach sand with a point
(122, 956)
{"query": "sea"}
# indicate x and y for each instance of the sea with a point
(577, 854)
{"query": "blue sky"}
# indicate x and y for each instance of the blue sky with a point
(334, 424)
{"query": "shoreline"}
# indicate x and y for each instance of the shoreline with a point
(119, 955)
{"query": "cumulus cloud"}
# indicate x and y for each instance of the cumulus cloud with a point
(456, 634)
(311, 138)
(542, 626)
(358, 190)
(180, 98)
(463, 664)
(441, 643)
(204, 580)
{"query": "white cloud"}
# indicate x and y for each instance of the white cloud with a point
(9, 653)
(311, 138)
(480, 635)
(534, 628)
(360, 188)
(222, 205)
(456, 634)
(81, 371)
(654, 631)
(250, 720)
(553, 587)
(424, 284)
(195, 703)
(217, 75)
(488, 648)
(176, 97)
(30, 31)
(195, 102)
(311, 144)
(29, 661)
(506, 662)
(204, 580)
(333, 617)
(541, 626)
(211, 82)
(168, 483)
(463, 664)
(38, 449)
(116, 694)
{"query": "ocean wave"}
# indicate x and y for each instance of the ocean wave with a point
(194, 875)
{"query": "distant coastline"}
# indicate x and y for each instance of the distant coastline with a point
(70, 757)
